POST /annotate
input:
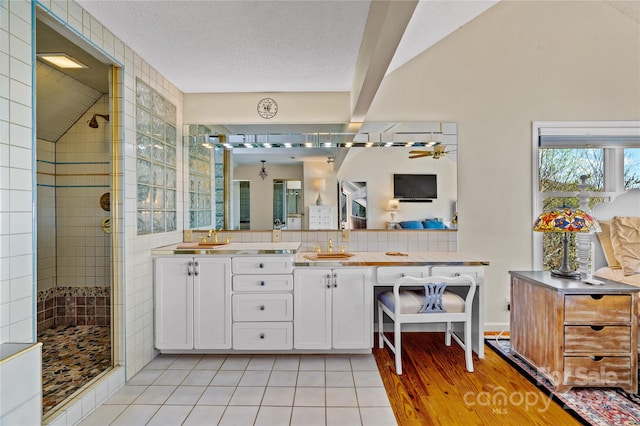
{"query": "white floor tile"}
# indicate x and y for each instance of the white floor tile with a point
(169, 415)
(364, 362)
(216, 395)
(247, 396)
(171, 377)
(145, 377)
(255, 378)
(204, 415)
(341, 397)
(226, 378)
(186, 395)
(310, 378)
(279, 396)
(186, 362)
(211, 362)
(103, 415)
(367, 378)
(308, 416)
(236, 363)
(136, 415)
(239, 416)
(309, 397)
(338, 363)
(155, 395)
(312, 363)
(199, 378)
(283, 378)
(372, 397)
(261, 363)
(377, 416)
(343, 416)
(126, 394)
(161, 362)
(287, 362)
(339, 378)
(273, 416)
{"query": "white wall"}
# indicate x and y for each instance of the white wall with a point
(518, 62)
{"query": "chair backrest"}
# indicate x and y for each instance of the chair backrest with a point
(457, 281)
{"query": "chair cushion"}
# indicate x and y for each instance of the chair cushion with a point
(411, 301)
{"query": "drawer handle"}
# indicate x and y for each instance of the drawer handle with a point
(597, 327)
(457, 274)
(596, 358)
(262, 307)
(262, 283)
(596, 296)
(261, 265)
(262, 336)
(403, 275)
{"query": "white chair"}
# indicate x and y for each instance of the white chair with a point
(423, 306)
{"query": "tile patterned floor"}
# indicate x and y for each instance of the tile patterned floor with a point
(251, 390)
(71, 357)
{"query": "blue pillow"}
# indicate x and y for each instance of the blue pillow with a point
(434, 224)
(411, 224)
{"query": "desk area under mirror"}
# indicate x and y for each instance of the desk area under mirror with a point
(267, 157)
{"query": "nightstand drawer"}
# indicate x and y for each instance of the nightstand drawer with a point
(597, 308)
(597, 339)
(597, 371)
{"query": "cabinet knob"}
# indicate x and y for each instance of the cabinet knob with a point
(262, 283)
(457, 274)
(261, 265)
(262, 336)
(262, 307)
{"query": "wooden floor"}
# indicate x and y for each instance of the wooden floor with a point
(435, 388)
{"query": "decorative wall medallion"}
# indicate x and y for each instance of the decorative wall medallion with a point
(267, 108)
(105, 201)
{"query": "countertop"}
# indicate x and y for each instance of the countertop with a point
(568, 285)
(383, 259)
(230, 249)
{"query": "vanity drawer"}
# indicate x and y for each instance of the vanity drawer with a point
(389, 274)
(265, 283)
(597, 370)
(476, 272)
(262, 264)
(597, 308)
(597, 339)
(265, 335)
(262, 307)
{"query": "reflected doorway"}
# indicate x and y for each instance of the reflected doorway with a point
(241, 196)
(287, 204)
(353, 205)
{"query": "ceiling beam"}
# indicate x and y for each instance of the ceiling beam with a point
(386, 23)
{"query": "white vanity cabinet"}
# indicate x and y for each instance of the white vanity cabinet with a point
(333, 308)
(192, 303)
(262, 302)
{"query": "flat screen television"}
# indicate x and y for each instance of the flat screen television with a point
(412, 187)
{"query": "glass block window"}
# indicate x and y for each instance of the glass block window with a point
(200, 153)
(156, 161)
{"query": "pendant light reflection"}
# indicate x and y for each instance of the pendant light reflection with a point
(263, 172)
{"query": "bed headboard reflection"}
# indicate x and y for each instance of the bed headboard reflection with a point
(626, 204)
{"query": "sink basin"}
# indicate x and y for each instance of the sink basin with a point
(328, 255)
(200, 245)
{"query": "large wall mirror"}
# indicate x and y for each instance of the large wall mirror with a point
(267, 177)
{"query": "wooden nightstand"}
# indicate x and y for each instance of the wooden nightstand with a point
(573, 333)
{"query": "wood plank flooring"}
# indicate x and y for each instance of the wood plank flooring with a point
(435, 388)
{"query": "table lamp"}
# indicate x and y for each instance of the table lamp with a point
(320, 186)
(393, 206)
(565, 220)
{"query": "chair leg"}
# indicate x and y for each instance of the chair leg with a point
(468, 356)
(447, 335)
(380, 326)
(398, 346)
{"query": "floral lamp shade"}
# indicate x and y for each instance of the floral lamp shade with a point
(566, 220)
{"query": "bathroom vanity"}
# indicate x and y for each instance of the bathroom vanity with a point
(270, 297)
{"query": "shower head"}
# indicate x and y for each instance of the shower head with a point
(93, 123)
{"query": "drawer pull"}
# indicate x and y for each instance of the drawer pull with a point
(596, 358)
(403, 275)
(597, 327)
(262, 307)
(261, 265)
(596, 296)
(457, 274)
(262, 283)
(262, 336)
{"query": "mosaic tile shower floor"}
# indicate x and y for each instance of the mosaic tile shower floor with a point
(71, 357)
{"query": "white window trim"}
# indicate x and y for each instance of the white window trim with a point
(614, 184)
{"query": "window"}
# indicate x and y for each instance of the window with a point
(608, 153)
(156, 162)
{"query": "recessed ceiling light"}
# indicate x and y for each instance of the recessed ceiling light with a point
(61, 60)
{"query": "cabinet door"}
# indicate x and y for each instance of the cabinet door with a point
(173, 313)
(352, 309)
(312, 308)
(212, 303)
